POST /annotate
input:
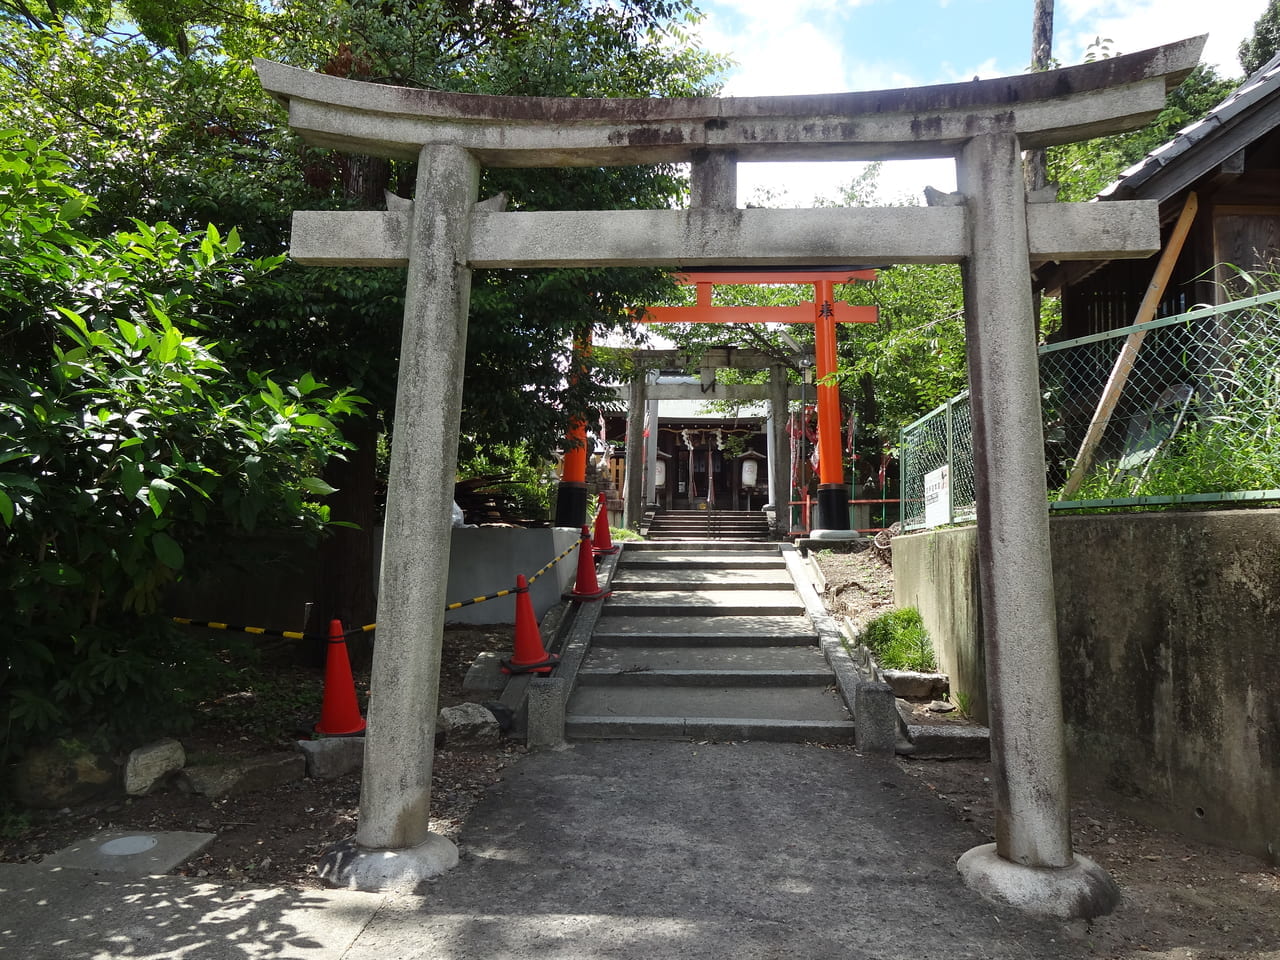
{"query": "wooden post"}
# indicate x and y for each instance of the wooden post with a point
(1129, 352)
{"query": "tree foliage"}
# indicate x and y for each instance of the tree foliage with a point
(124, 444)
(1264, 42)
(1083, 169)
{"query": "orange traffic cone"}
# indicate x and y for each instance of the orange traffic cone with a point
(339, 713)
(586, 587)
(604, 544)
(528, 653)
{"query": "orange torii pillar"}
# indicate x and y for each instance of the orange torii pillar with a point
(571, 495)
(824, 313)
(833, 492)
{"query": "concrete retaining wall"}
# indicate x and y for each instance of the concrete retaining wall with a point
(1169, 640)
(266, 580)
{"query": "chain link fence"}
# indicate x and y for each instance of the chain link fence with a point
(943, 437)
(1180, 410)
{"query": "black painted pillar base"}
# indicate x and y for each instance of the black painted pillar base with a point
(571, 504)
(833, 507)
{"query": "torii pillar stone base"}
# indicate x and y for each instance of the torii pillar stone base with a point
(1080, 891)
(355, 867)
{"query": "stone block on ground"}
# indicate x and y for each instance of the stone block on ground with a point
(469, 726)
(875, 717)
(922, 686)
(333, 757)
(243, 776)
(148, 764)
(547, 697)
(485, 674)
(57, 776)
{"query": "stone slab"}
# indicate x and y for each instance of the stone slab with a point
(701, 677)
(761, 630)
(135, 853)
(761, 703)
(716, 578)
(710, 728)
(641, 658)
(947, 741)
(719, 603)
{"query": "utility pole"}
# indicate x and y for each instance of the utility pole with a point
(1033, 163)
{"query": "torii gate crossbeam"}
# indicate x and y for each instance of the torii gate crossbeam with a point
(994, 230)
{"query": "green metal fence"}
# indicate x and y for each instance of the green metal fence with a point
(943, 437)
(1180, 410)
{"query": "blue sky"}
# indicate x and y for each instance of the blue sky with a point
(820, 46)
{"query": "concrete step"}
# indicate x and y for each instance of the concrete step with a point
(630, 578)
(647, 677)
(789, 713)
(747, 546)
(711, 533)
(805, 702)
(709, 559)
(743, 631)
(692, 538)
(655, 660)
(704, 603)
(708, 728)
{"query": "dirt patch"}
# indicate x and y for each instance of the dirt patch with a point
(859, 581)
(1181, 898)
(276, 836)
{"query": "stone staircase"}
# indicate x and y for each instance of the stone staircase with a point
(680, 525)
(705, 641)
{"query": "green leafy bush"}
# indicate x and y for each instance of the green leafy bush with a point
(126, 447)
(900, 642)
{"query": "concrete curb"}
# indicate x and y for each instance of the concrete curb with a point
(539, 702)
(870, 701)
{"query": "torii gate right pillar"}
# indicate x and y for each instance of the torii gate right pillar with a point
(1028, 749)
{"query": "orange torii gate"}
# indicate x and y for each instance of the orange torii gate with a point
(824, 313)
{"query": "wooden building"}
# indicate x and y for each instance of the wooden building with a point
(1231, 159)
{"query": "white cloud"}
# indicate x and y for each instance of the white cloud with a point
(1139, 24)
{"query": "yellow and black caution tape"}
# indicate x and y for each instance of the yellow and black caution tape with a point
(368, 627)
(580, 540)
(259, 631)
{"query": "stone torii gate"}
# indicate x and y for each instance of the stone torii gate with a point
(992, 228)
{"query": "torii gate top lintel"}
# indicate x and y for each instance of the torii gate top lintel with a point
(1044, 109)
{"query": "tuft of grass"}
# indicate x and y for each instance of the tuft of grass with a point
(900, 642)
(14, 822)
(621, 533)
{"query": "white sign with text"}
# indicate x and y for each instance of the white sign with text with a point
(937, 497)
